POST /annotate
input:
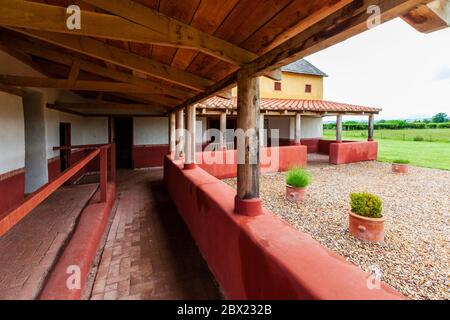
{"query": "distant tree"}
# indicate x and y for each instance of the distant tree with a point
(440, 118)
(426, 120)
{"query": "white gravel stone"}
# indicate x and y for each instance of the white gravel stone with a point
(414, 259)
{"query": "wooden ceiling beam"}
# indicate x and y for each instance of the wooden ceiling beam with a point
(132, 22)
(121, 57)
(67, 59)
(83, 85)
(431, 17)
(177, 33)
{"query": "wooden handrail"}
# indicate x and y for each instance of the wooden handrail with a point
(13, 216)
(83, 146)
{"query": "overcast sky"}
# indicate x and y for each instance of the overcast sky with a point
(392, 66)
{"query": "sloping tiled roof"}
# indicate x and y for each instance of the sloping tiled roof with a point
(303, 67)
(290, 105)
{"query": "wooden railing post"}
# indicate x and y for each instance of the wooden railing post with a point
(113, 161)
(103, 173)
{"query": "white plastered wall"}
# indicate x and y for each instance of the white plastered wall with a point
(311, 127)
(155, 130)
(12, 134)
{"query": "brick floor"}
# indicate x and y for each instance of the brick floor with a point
(29, 250)
(149, 253)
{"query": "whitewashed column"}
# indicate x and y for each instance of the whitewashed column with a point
(223, 130)
(190, 139)
(179, 135)
(339, 128)
(371, 127)
(298, 128)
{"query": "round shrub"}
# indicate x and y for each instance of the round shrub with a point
(298, 177)
(366, 205)
(418, 138)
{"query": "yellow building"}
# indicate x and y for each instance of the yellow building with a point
(300, 80)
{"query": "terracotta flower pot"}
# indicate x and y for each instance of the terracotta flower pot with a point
(295, 194)
(400, 168)
(364, 228)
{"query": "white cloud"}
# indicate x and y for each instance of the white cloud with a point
(394, 67)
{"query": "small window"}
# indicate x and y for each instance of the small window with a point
(277, 86)
(308, 88)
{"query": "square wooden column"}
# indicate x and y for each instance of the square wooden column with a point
(247, 201)
(298, 129)
(223, 130)
(179, 135)
(371, 127)
(339, 128)
(190, 138)
(172, 138)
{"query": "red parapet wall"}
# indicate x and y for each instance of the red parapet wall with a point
(146, 156)
(12, 189)
(356, 151)
(272, 160)
(260, 257)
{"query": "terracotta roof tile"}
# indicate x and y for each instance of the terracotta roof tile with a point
(290, 105)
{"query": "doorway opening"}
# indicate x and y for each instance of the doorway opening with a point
(123, 138)
(65, 140)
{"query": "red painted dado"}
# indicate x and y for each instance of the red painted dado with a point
(54, 165)
(146, 156)
(311, 144)
(356, 151)
(81, 249)
(12, 189)
(260, 257)
(272, 160)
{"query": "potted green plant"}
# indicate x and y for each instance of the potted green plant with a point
(400, 166)
(365, 219)
(297, 179)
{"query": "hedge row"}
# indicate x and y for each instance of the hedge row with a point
(389, 125)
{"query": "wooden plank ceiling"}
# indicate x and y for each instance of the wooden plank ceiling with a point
(165, 54)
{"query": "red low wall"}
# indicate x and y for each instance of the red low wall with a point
(260, 257)
(146, 156)
(12, 189)
(349, 152)
(81, 249)
(272, 160)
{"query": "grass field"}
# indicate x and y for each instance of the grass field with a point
(430, 135)
(423, 153)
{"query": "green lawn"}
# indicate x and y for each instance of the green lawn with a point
(430, 135)
(423, 154)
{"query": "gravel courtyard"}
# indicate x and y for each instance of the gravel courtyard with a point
(414, 258)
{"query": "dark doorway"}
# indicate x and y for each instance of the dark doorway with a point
(123, 137)
(64, 141)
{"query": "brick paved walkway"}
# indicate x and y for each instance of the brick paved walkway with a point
(29, 250)
(149, 253)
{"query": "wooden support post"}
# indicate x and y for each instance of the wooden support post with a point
(113, 162)
(261, 130)
(172, 138)
(223, 130)
(247, 201)
(298, 129)
(179, 148)
(371, 127)
(339, 128)
(103, 173)
(190, 139)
